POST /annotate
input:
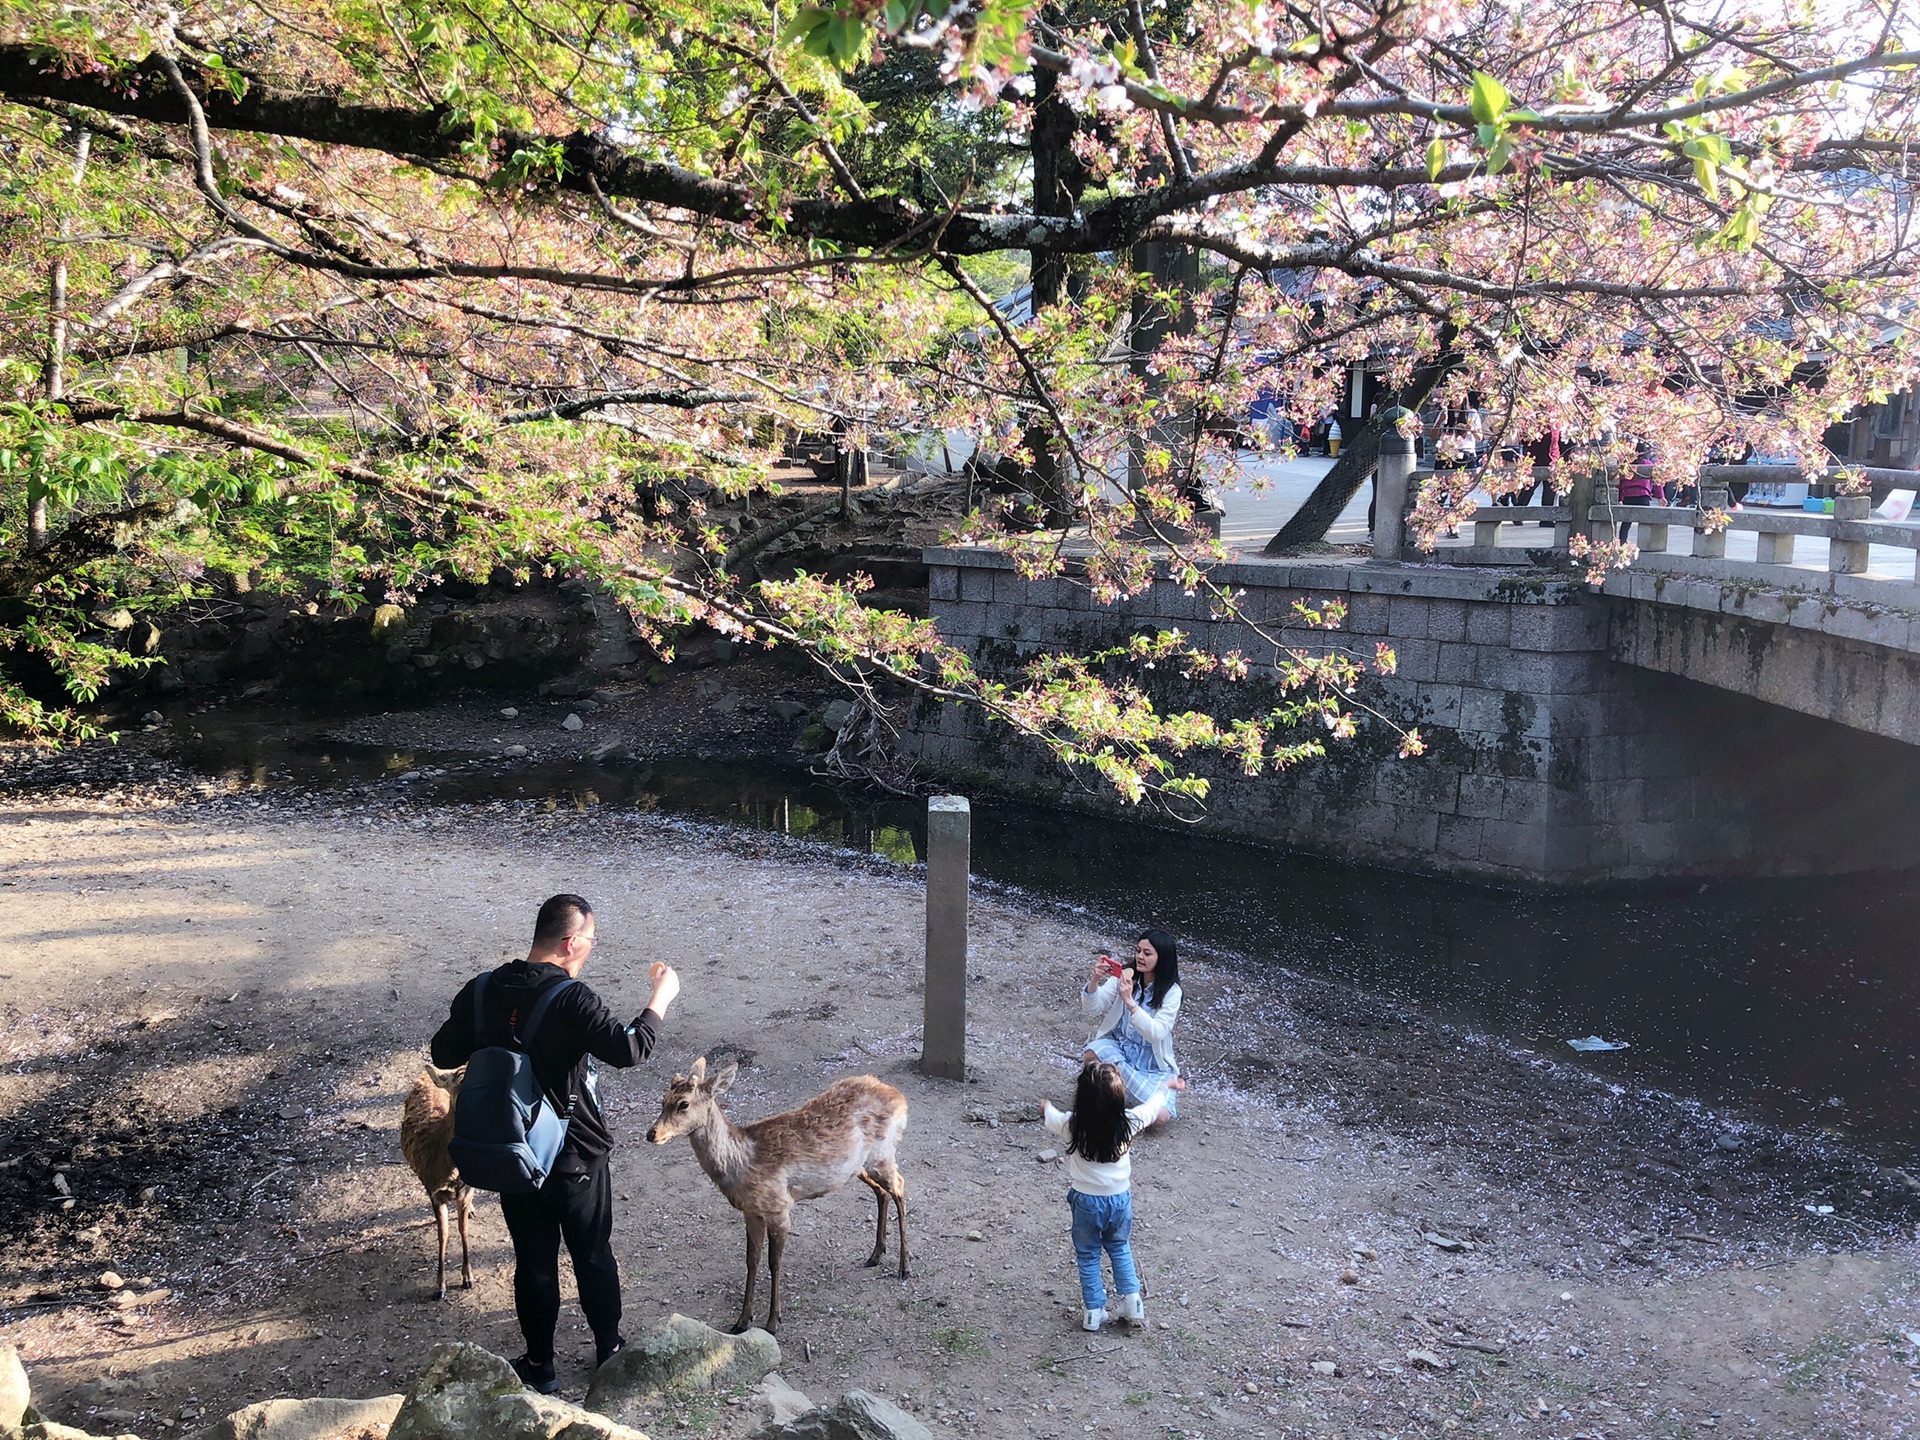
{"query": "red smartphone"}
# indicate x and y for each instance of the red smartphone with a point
(1111, 966)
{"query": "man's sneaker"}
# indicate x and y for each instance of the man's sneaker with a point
(1131, 1310)
(1093, 1319)
(538, 1378)
(605, 1353)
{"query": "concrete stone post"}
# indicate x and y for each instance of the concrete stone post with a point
(1714, 546)
(1849, 557)
(1393, 479)
(943, 1050)
(1581, 499)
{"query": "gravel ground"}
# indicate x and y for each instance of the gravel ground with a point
(1363, 1224)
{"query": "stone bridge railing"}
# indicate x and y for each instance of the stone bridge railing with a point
(1682, 539)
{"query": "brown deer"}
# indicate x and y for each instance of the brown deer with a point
(851, 1128)
(426, 1124)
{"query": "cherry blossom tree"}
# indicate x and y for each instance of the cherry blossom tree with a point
(357, 296)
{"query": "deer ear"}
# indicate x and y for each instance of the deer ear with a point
(699, 1071)
(724, 1080)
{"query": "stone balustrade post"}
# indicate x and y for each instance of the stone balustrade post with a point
(943, 1050)
(1393, 479)
(1849, 557)
(1714, 546)
(1581, 498)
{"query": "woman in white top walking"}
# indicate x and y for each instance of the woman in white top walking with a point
(1133, 1014)
(1099, 1132)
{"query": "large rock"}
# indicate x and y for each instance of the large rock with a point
(306, 1419)
(857, 1415)
(465, 1393)
(682, 1354)
(15, 1395)
(387, 622)
(53, 1430)
(783, 1402)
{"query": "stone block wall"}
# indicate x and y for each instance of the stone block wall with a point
(1549, 763)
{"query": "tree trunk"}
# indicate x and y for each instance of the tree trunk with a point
(56, 376)
(1058, 179)
(1173, 268)
(1359, 456)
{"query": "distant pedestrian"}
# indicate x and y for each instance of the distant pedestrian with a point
(1099, 1132)
(1133, 1012)
(1637, 485)
(574, 1029)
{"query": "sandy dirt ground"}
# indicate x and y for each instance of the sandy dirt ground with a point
(1363, 1224)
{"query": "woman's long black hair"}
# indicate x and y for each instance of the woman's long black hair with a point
(1166, 970)
(1098, 1129)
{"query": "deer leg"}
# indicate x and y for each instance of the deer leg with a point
(880, 1194)
(466, 1261)
(776, 1248)
(756, 1236)
(440, 1222)
(900, 1214)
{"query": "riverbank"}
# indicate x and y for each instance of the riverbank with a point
(220, 998)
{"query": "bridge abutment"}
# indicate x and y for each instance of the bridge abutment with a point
(1550, 762)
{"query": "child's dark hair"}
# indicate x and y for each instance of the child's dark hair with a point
(1098, 1129)
(1166, 970)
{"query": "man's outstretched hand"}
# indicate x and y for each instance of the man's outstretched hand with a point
(666, 986)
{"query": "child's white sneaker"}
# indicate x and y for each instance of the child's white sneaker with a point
(1131, 1310)
(1093, 1319)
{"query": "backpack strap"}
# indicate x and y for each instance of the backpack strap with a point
(535, 1014)
(538, 1010)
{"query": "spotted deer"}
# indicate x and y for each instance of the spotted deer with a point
(426, 1124)
(850, 1129)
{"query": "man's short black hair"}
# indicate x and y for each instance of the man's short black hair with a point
(560, 917)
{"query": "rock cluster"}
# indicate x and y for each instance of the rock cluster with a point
(467, 1393)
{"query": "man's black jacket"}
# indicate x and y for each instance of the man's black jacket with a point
(577, 1026)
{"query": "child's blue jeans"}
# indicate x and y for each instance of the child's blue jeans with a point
(1103, 1222)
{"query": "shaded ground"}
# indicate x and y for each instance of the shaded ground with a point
(213, 1003)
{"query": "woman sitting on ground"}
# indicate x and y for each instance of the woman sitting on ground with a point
(1133, 1015)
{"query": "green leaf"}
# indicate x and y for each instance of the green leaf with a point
(1498, 156)
(844, 33)
(1489, 100)
(807, 20)
(1436, 157)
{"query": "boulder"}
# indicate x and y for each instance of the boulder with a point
(836, 715)
(306, 1419)
(15, 1395)
(144, 638)
(681, 1354)
(857, 1415)
(783, 1402)
(53, 1430)
(465, 1393)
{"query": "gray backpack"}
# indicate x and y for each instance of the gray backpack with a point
(506, 1132)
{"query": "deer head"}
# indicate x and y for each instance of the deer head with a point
(688, 1100)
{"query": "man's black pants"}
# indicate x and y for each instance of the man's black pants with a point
(579, 1209)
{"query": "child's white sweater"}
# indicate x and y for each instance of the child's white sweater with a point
(1090, 1177)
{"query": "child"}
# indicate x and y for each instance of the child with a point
(1099, 1131)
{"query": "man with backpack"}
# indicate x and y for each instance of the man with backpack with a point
(528, 1122)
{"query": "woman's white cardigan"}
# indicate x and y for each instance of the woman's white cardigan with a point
(1104, 1007)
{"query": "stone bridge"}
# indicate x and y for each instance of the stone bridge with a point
(1699, 716)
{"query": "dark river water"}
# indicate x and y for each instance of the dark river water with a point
(1792, 999)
